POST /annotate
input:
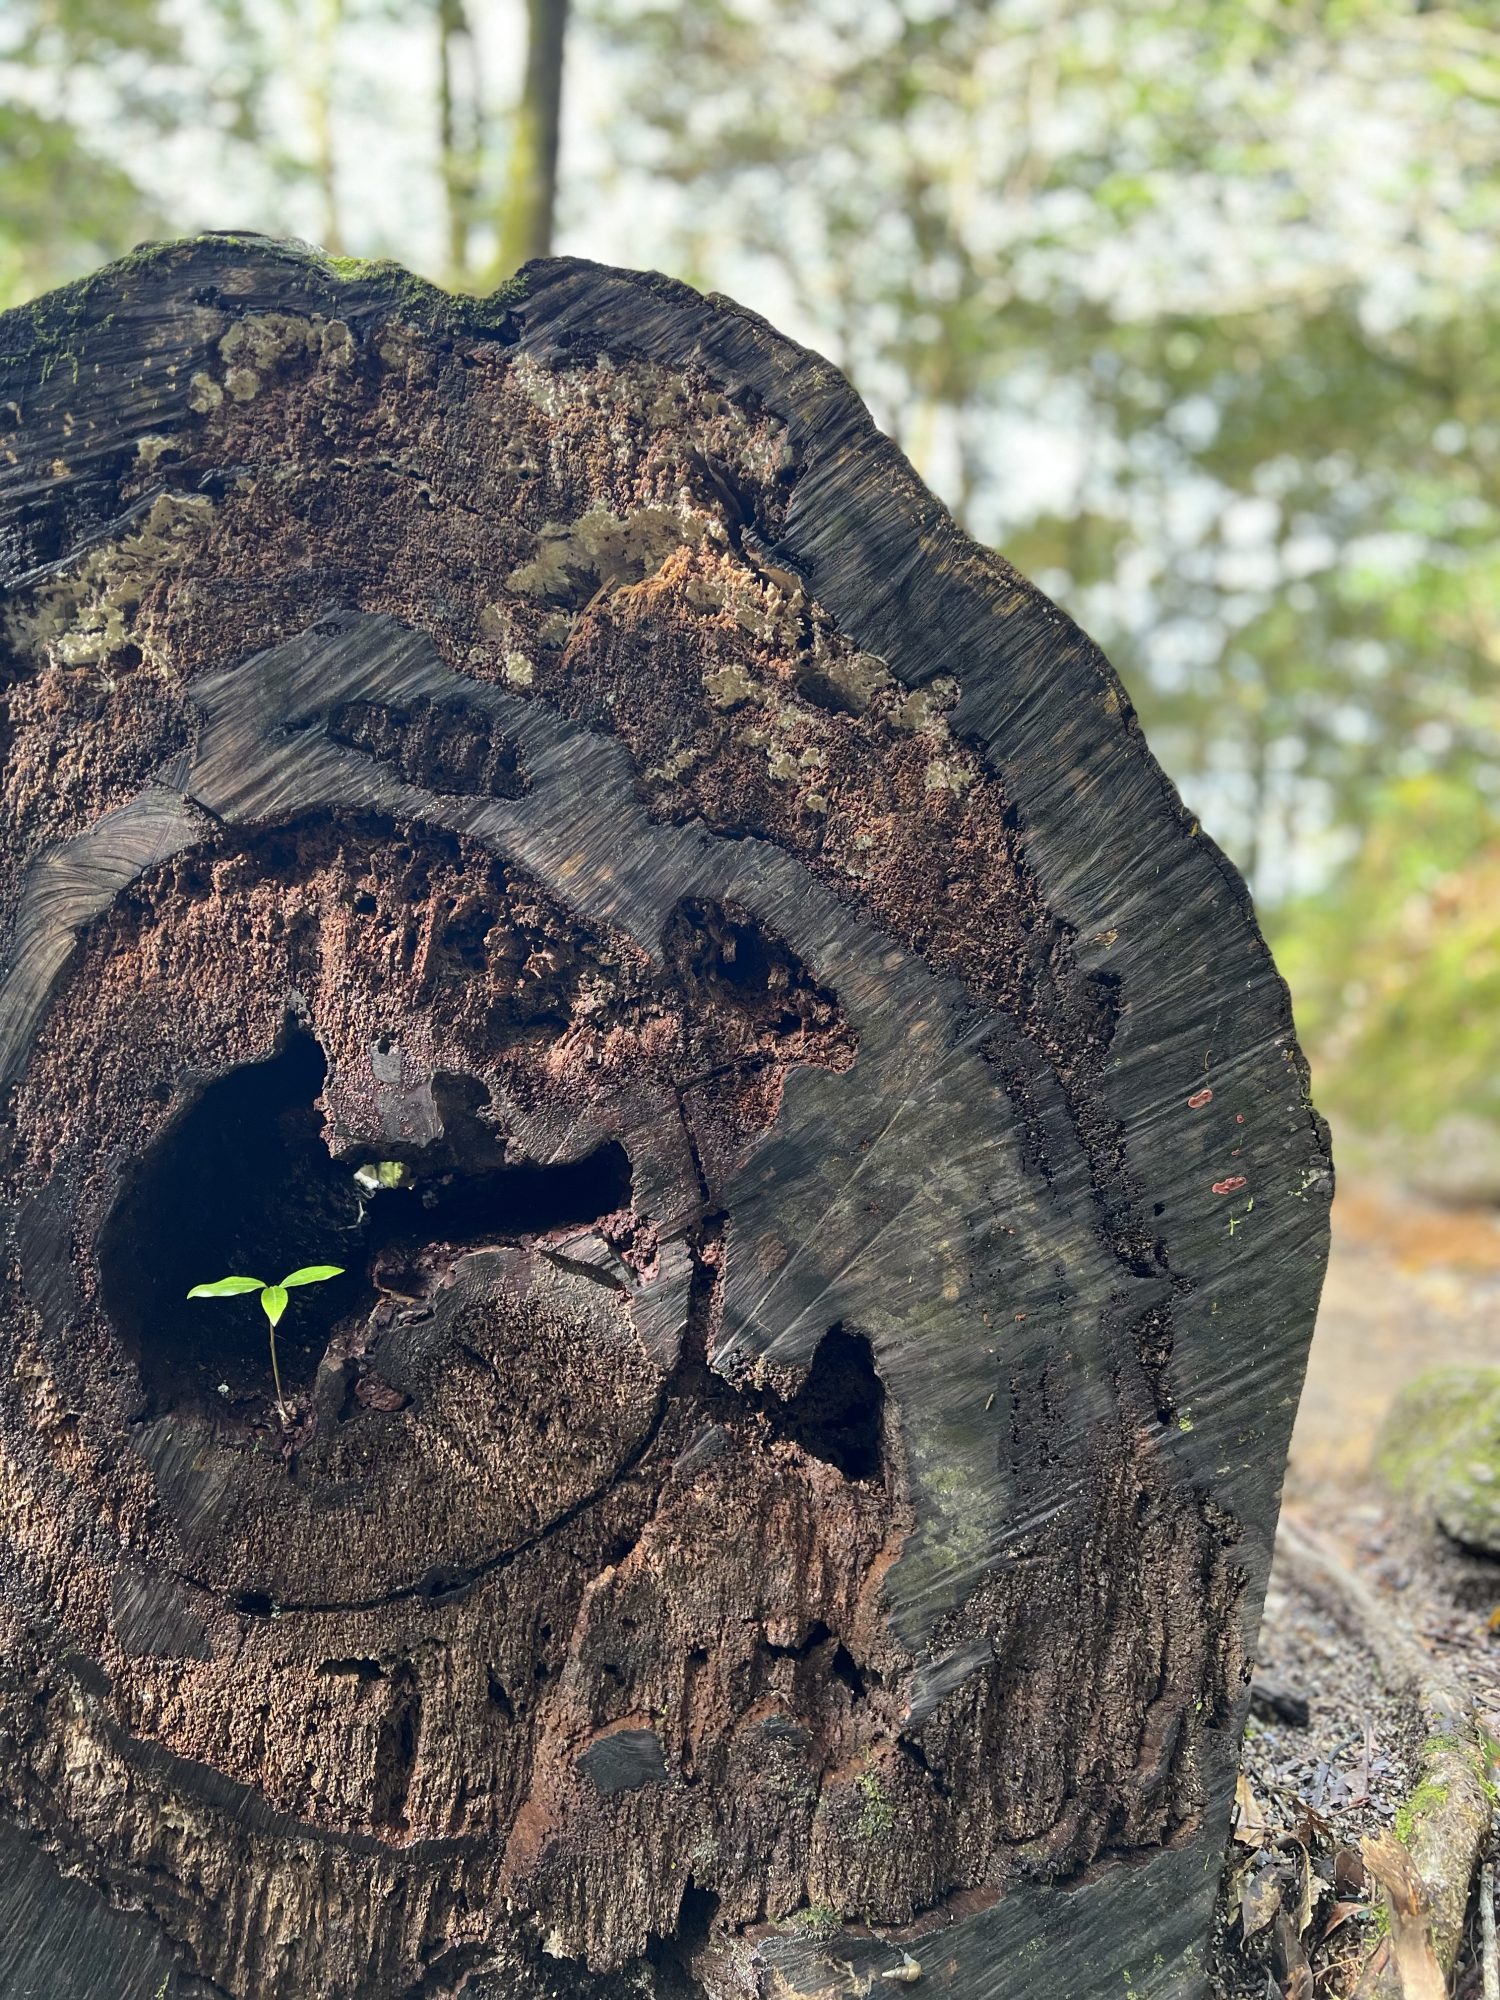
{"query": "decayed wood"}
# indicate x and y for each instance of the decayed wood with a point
(782, 1495)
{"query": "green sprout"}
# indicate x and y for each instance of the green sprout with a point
(273, 1303)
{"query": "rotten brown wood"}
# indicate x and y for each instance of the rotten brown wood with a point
(781, 1499)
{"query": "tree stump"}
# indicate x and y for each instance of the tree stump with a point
(531, 802)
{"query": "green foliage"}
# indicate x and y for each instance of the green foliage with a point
(1396, 963)
(820, 1921)
(224, 1288)
(313, 1274)
(91, 93)
(273, 1299)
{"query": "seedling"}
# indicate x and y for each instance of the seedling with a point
(273, 1303)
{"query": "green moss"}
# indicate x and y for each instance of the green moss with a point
(422, 298)
(47, 330)
(877, 1816)
(820, 1921)
(405, 286)
(1462, 1759)
(1439, 1450)
(1429, 1797)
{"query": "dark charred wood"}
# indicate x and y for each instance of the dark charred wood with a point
(783, 1489)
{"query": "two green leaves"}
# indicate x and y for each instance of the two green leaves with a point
(272, 1299)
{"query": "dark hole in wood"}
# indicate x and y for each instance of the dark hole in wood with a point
(846, 1669)
(821, 688)
(671, 1958)
(242, 1183)
(695, 1915)
(920, 1758)
(818, 1634)
(837, 1413)
(723, 954)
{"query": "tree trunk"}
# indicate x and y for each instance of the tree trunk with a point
(323, 57)
(459, 134)
(530, 197)
(530, 802)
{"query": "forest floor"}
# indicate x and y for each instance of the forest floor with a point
(1410, 1286)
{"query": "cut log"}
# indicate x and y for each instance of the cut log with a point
(530, 801)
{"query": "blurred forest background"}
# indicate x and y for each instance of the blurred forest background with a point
(1192, 309)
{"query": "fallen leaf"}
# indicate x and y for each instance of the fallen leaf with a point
(1296, 1973)
(1260, 1898)
(1348, 1872)
(1340, 1914)
(1313, 1829)
(1305, 1897)
(1251, 1827)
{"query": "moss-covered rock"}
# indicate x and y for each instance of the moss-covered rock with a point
(1439, 1450)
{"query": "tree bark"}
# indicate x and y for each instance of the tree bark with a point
(782, 1493)
(530, 199)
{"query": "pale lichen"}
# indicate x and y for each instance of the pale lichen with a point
(86, 615)
(602, 549)
(949, 774)
(729, 687)
(204, 394)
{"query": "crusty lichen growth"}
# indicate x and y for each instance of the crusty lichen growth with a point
(86, 616)
(600, 550)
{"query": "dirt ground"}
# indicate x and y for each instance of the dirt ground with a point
(1410, 1286)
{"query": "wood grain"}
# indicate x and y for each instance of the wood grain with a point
(787, 1480)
